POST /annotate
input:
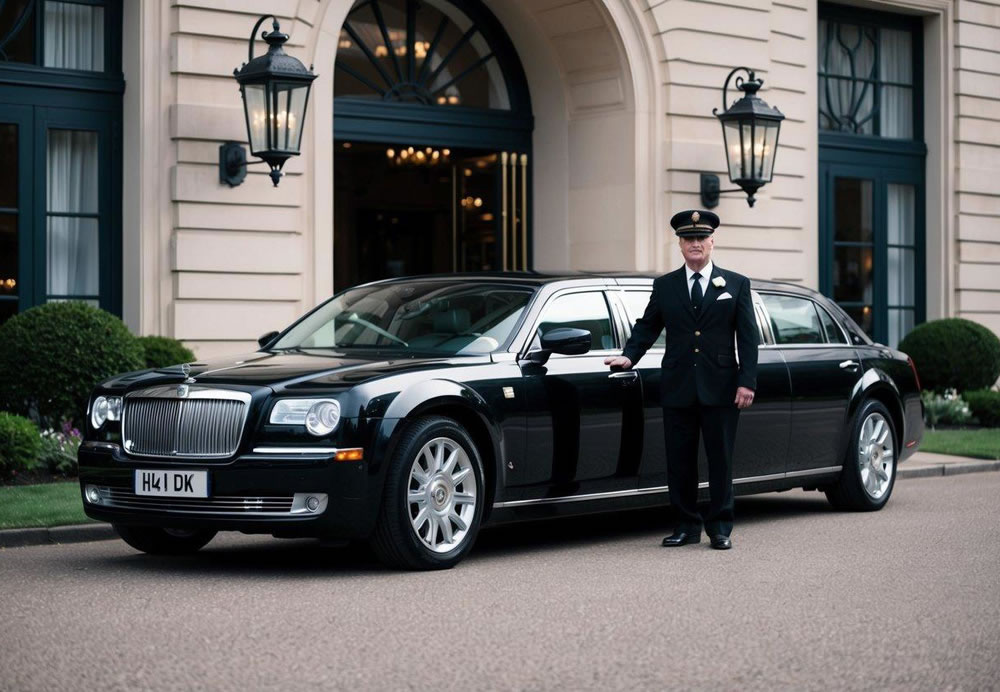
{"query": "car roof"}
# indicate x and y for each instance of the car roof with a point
(543, 278)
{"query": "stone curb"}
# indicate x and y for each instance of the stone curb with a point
(19, 538)
(948, 469)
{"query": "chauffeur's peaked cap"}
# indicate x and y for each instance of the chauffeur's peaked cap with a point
(694, 222)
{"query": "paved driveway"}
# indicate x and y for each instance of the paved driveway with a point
(809, 599)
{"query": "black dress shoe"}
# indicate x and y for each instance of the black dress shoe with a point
(681, 538)
(721, 542)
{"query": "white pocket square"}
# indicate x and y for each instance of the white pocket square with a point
(724, 296)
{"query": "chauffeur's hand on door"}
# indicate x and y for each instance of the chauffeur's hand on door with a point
(618, 362)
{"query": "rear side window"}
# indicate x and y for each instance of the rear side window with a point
(793, 320)
(587, 311)
(635, 304)
(834, 334)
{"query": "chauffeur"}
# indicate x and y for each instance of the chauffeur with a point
(702, 386)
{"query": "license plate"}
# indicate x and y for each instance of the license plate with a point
(172, 483)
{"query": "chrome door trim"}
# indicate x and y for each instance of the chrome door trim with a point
(658, 489)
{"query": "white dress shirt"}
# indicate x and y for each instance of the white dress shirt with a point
(706, 274)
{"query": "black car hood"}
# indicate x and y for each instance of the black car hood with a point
(270, 368)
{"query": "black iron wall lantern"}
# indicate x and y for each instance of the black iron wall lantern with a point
(275, 89)
(750, 131)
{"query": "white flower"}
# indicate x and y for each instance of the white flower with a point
(718, 282)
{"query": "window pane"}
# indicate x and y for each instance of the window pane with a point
(852, 204)
(834, 334)
(900, 324)
(72, 249)
(895, 56)
(17, 26)
(8, 171)
(587, 311)
(8, 255)
(793, 320)
(846, 105)
(635, 304)
(74, 36)
(900, 277)
(8, 308)
(896, 115)
(901, 217)
(72, 171)
(852, 275)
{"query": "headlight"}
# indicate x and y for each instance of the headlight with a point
(105, 408)
(319, 416)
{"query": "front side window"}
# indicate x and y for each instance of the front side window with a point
(635, 304)
(429, 316)
(794, 320)
(587, 311)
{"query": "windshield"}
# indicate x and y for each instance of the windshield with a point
(438, 316)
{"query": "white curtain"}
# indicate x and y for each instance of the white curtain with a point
(896, 65)
(72, 187)
(74, 36)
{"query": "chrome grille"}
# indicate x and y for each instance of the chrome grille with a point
(225, 504)
(182, 421)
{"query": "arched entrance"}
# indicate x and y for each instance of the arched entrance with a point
(432, 152)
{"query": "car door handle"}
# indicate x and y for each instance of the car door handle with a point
(623, 375)
(850, 365)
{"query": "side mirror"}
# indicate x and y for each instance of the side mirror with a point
(266, 339)
(567, 340)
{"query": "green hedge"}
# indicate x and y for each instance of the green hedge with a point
(162, 351)
(985, 405)
(54, 354)
(20, 445)
(953, 353)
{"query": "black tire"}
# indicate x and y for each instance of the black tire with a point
(395, 541)
(157, 541)
(849, 492)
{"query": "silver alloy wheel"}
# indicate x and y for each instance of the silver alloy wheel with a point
(441, 495)
(876, 455)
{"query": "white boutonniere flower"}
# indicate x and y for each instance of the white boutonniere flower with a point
(718, 282)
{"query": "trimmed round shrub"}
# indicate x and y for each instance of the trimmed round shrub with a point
(985, 405)
(953, 353)
(20, 445)
(162, 351)
(54, 354)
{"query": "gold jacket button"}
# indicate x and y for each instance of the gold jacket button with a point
(697, 333)
(696, 350)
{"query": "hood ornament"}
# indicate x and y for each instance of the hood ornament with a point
(186, 370)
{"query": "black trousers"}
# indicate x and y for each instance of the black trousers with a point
(681, 427)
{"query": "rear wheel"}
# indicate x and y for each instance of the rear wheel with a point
(433, 499)
(869, 473)
(157, 541)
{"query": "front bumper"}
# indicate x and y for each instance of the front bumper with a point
(253, 493)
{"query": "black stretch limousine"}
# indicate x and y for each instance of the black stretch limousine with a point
(410, 412)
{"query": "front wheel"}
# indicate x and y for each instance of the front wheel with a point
(433, 500)
(869, 471)
(157, 541)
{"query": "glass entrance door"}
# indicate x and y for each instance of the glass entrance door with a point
(404, 210)
(871, 250)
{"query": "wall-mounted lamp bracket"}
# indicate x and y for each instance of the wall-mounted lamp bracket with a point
(710, 191)
(232, 163)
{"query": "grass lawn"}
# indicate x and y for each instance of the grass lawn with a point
(48, 504)
(982, 442)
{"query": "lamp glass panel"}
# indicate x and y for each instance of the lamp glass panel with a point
(769, 136)
(289, 116)
(256, 114)
(734, 153)
(747, 149)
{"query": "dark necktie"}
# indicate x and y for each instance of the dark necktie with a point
(696, 294)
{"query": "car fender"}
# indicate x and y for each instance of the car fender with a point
(428, 395)
(875, 382)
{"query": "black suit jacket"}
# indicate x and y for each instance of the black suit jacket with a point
(699, 364)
